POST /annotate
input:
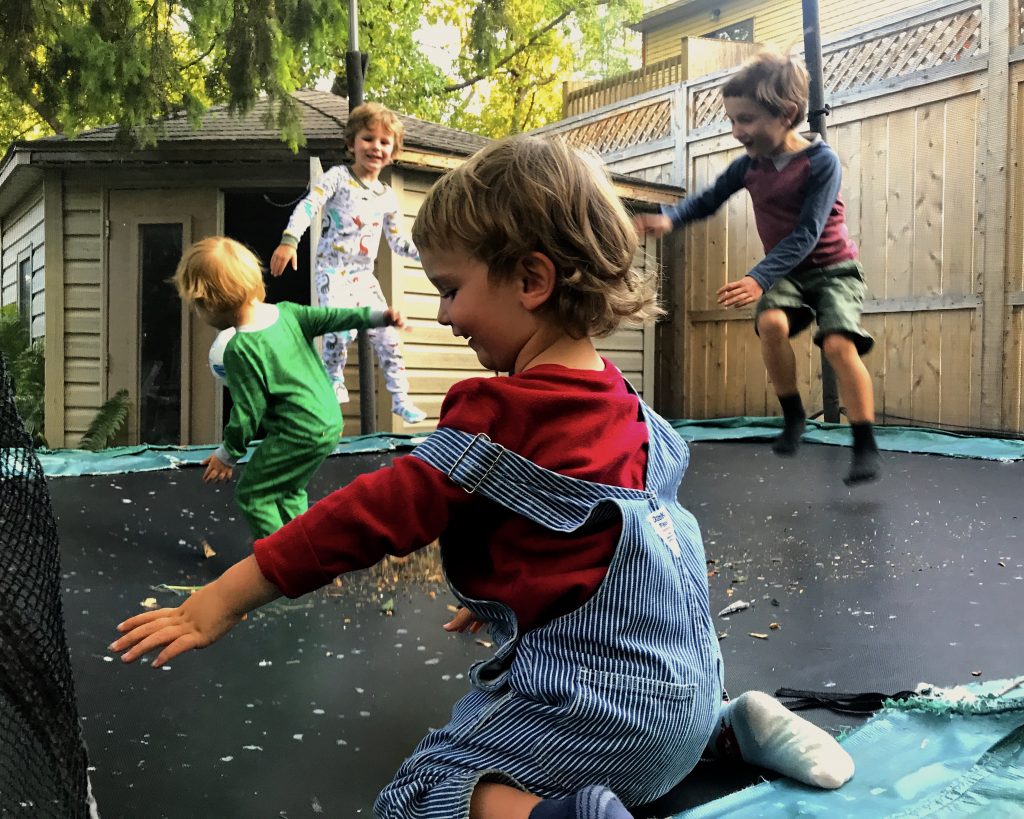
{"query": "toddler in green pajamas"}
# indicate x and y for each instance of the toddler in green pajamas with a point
(275, 377)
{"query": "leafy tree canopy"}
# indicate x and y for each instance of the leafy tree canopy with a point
(74, 64)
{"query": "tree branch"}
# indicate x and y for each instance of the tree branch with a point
(510, 56)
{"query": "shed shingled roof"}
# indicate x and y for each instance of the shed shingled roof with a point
(322, 114)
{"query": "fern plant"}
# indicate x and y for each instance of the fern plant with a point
(26, 365)
(107, 423)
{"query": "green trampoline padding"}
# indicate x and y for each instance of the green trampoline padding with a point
(957, 753)
(68, 462)
(893, 439)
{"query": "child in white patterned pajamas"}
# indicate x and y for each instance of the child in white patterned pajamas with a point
(355, 207)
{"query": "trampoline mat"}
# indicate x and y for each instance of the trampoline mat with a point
(309, 706)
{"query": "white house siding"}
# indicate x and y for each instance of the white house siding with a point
(83, 308)
(22, 232)
(775, 23)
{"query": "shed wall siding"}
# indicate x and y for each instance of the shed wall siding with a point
(83, 308)
(22, 233)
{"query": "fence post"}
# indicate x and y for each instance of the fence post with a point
(816, 119)
(993, 156)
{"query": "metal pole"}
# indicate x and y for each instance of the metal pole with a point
(367, 380)
(816, 120)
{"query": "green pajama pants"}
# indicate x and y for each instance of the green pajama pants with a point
(272, 489)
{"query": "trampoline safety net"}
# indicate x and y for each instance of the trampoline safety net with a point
(42, 753)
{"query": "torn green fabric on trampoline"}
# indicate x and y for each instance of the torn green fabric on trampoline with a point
(947, 753)
(146, 458)
(892, 439)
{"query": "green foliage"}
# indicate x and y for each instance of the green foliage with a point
(74, 64)
(26, 365)
(107, 423)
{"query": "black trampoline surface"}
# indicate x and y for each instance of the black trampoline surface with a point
(308, 707)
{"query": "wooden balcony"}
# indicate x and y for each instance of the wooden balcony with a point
(697, 56)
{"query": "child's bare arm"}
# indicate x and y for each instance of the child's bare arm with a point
(201, 620)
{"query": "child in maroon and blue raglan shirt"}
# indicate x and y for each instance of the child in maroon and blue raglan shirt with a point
(810, 269)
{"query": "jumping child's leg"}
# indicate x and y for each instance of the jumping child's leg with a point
(858, 396)
(272, 489)
(389, 352)
(762, 731)
(335, 356)
(780, 361)
(334, 289)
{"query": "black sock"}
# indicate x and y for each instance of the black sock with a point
(794, 418)
(864, 466)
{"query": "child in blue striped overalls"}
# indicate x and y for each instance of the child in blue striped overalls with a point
(553, 490)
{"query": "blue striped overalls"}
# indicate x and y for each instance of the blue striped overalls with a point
(623, 691)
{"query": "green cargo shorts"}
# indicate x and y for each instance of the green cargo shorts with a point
(832, 295)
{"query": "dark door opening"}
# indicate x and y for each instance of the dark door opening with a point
(257, 218)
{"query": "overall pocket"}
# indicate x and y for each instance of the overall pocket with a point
(635, 735)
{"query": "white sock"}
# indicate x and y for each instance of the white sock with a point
(770, 735)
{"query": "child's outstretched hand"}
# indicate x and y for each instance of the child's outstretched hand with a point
(201, 620)
(395, 319)
(216, 469)
(283, 256)
(653, 224)
(739, 293)
(462, 620)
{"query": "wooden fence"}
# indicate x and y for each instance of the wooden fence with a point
(927, 119)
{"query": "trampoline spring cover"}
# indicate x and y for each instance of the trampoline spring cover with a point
(948, 753)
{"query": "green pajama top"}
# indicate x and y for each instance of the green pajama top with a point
(276, 377)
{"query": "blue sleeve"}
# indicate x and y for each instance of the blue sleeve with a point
(705, 203)
(826, 176)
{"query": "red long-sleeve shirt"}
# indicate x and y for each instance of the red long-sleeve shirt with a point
(580, 423)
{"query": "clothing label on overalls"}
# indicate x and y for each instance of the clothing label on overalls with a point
(662, 523)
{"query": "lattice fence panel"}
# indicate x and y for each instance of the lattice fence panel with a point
(706, 106)
(928, 45)
(621, 131)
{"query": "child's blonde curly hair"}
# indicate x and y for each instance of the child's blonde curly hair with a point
(219, 275)
(370, 114)
(528, 194)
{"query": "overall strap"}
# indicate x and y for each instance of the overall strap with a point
(480, 466)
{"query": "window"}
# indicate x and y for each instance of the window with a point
(25, 289)
(743, 31)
